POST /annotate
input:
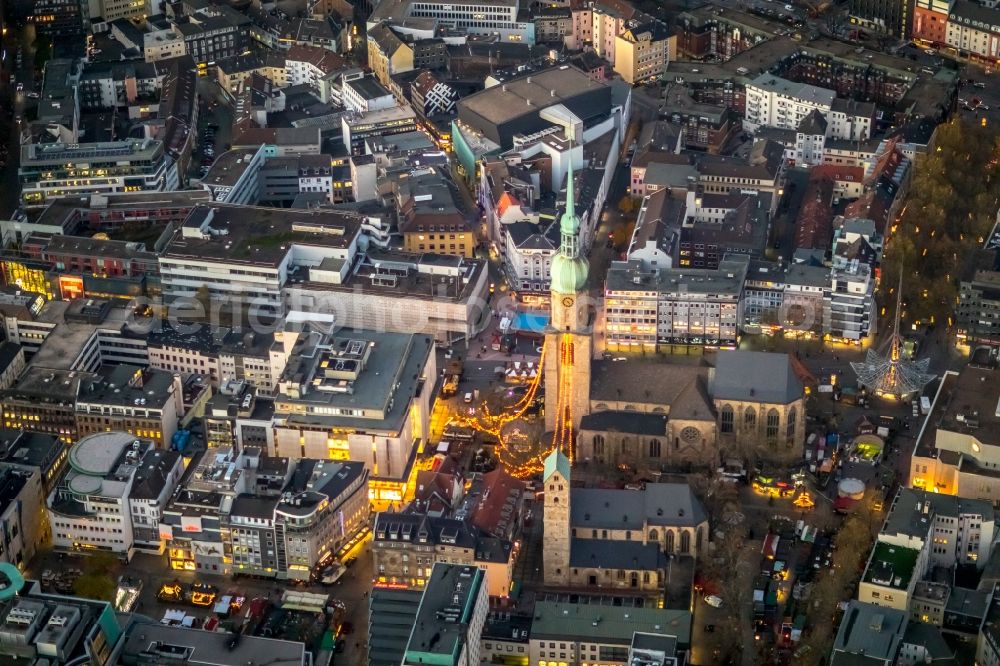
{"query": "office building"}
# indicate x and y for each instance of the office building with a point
(401, 292)
(111, 495)
(868, 634)
(25, 449)
(578, 633)
(235, 176)
(253, 514)
(110, 10)
(924, 531)
(35, 626)
(642, 52)
(501, 18)
(431, 96)
(657, 308)
(242, 256)
(58, 17)
(450, 618)
(44, 401)
(22, 525)
(357, 127)
(144, 402)
(958, 446)
(49, 171)
(145, 639)
(322, 504)
(361, 397)
(364, 94)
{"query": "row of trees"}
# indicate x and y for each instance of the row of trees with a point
(853, 543)
(950, 208)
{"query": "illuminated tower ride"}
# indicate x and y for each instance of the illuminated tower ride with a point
(568, 343)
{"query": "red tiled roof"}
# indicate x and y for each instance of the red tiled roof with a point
(500, 490)
(506, 201)
(813, 225)
(837, 172)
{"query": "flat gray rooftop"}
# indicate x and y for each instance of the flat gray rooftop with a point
(207, 648)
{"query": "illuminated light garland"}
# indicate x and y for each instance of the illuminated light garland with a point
(563, 438)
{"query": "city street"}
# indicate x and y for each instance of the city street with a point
(153, 570)
(15, 105)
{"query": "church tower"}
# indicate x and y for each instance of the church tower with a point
(568, 343)
(555, 519)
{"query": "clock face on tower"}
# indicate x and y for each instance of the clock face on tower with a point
(567, 302)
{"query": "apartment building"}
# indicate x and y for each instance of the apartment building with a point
(772, 101)
(111, 495)
(214, 32)
(232, 72)
(429, 217)
(478, 521)
(106, 85)
(974, 28)
(849, 310)
(145, 402)
(978, 312)
(52, 170)
(658, 308)
(388, 54)
(598, 24)
(642, 52)
(309, 65)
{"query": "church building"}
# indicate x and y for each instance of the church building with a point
(650, 413)
(597, 537)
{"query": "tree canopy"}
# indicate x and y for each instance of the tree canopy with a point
(950, 209)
